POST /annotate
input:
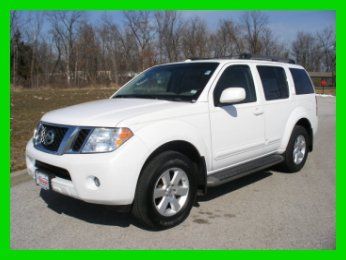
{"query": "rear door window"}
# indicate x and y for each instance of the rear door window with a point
(274, 82)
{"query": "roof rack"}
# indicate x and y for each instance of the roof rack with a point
(200, 58)
(247, 56)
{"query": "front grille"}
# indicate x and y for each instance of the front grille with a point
(54, 170)
(78, 143)
(61, 139)
(50, 137)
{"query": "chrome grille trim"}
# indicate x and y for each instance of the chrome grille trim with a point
(66, 145)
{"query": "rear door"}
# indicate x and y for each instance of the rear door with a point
(237, 129)
(277, 104)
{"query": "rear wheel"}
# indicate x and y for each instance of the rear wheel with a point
(297, 150)
(166, 191)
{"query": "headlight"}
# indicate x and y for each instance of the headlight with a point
(36, 136)
(106, 139)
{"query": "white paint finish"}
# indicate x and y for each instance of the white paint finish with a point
(224, 136)
(232, 128)
(107, 112)
(237, 134)
(232, 95)
(117, 171)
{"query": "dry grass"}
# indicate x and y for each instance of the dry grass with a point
(27, 107)
(327, 91)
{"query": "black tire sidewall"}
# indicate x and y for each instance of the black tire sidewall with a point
(149, 178)
(289, 161)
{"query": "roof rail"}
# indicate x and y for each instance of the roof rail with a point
(247, 56)
(200, 58)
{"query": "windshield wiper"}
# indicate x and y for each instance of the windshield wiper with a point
(157, 97)
(175, 98)
(132, 96)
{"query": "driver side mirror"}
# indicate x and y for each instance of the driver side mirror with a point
(232, 95)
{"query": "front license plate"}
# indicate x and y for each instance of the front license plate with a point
(42, 180)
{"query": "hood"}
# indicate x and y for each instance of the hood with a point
(107, 112)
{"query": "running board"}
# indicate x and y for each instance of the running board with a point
(238, 171)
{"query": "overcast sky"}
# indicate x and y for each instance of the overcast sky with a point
(284, 24)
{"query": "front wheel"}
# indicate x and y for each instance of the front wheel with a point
(166, 190)
(297, 150)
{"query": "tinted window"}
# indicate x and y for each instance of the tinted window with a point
(302, 82)
(178, 82)
(274, 82)
(236, 76)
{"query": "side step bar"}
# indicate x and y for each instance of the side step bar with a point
(238, 171)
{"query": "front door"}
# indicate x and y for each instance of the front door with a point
(237, 129)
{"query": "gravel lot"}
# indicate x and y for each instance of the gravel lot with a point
(265, 210)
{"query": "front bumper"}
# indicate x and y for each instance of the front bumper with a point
(117, 171)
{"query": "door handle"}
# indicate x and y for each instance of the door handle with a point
(258, 111)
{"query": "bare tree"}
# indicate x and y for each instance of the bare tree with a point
(64, 26)
(271, 45)
(45, 61)
(117, 51)
(33, 31)
(70, 50)
(87, 54)
(15, 19)
(14, 27)
(195, 38)
(169, 27)
(141, 26)
(226, 41)
(255, 25)
(306, 51)
(327, 44)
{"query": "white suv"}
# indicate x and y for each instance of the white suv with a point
(175, 130)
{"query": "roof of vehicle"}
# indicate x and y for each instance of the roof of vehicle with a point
(249, 61)
(247, 58)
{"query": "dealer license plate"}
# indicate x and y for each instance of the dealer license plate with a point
(42, 179)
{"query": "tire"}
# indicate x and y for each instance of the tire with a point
(156, 209)
(292, 163)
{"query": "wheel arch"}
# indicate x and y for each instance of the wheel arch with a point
(189, 150)
(298, 117)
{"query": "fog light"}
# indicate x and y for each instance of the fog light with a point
(92, 182)
(97, 182)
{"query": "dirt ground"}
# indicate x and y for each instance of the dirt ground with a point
(27, 107)
(327, 91)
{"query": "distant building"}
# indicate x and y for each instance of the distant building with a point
(328, 76)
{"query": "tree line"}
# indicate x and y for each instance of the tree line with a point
(65, 49)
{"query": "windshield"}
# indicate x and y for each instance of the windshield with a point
(179, 82)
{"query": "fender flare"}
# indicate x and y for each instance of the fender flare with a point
(296, 115)
(182, 131)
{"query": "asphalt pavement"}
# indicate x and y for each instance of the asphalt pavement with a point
(268, 209)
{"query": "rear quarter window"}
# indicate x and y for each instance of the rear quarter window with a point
(302, 82)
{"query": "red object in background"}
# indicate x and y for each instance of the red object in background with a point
(323, 83)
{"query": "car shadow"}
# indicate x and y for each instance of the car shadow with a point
(110, 215)
(234, 185)
(92, 213)
(231, 110)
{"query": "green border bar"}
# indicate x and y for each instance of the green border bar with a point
(7, 5)
(5, 129)
(172, 4)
